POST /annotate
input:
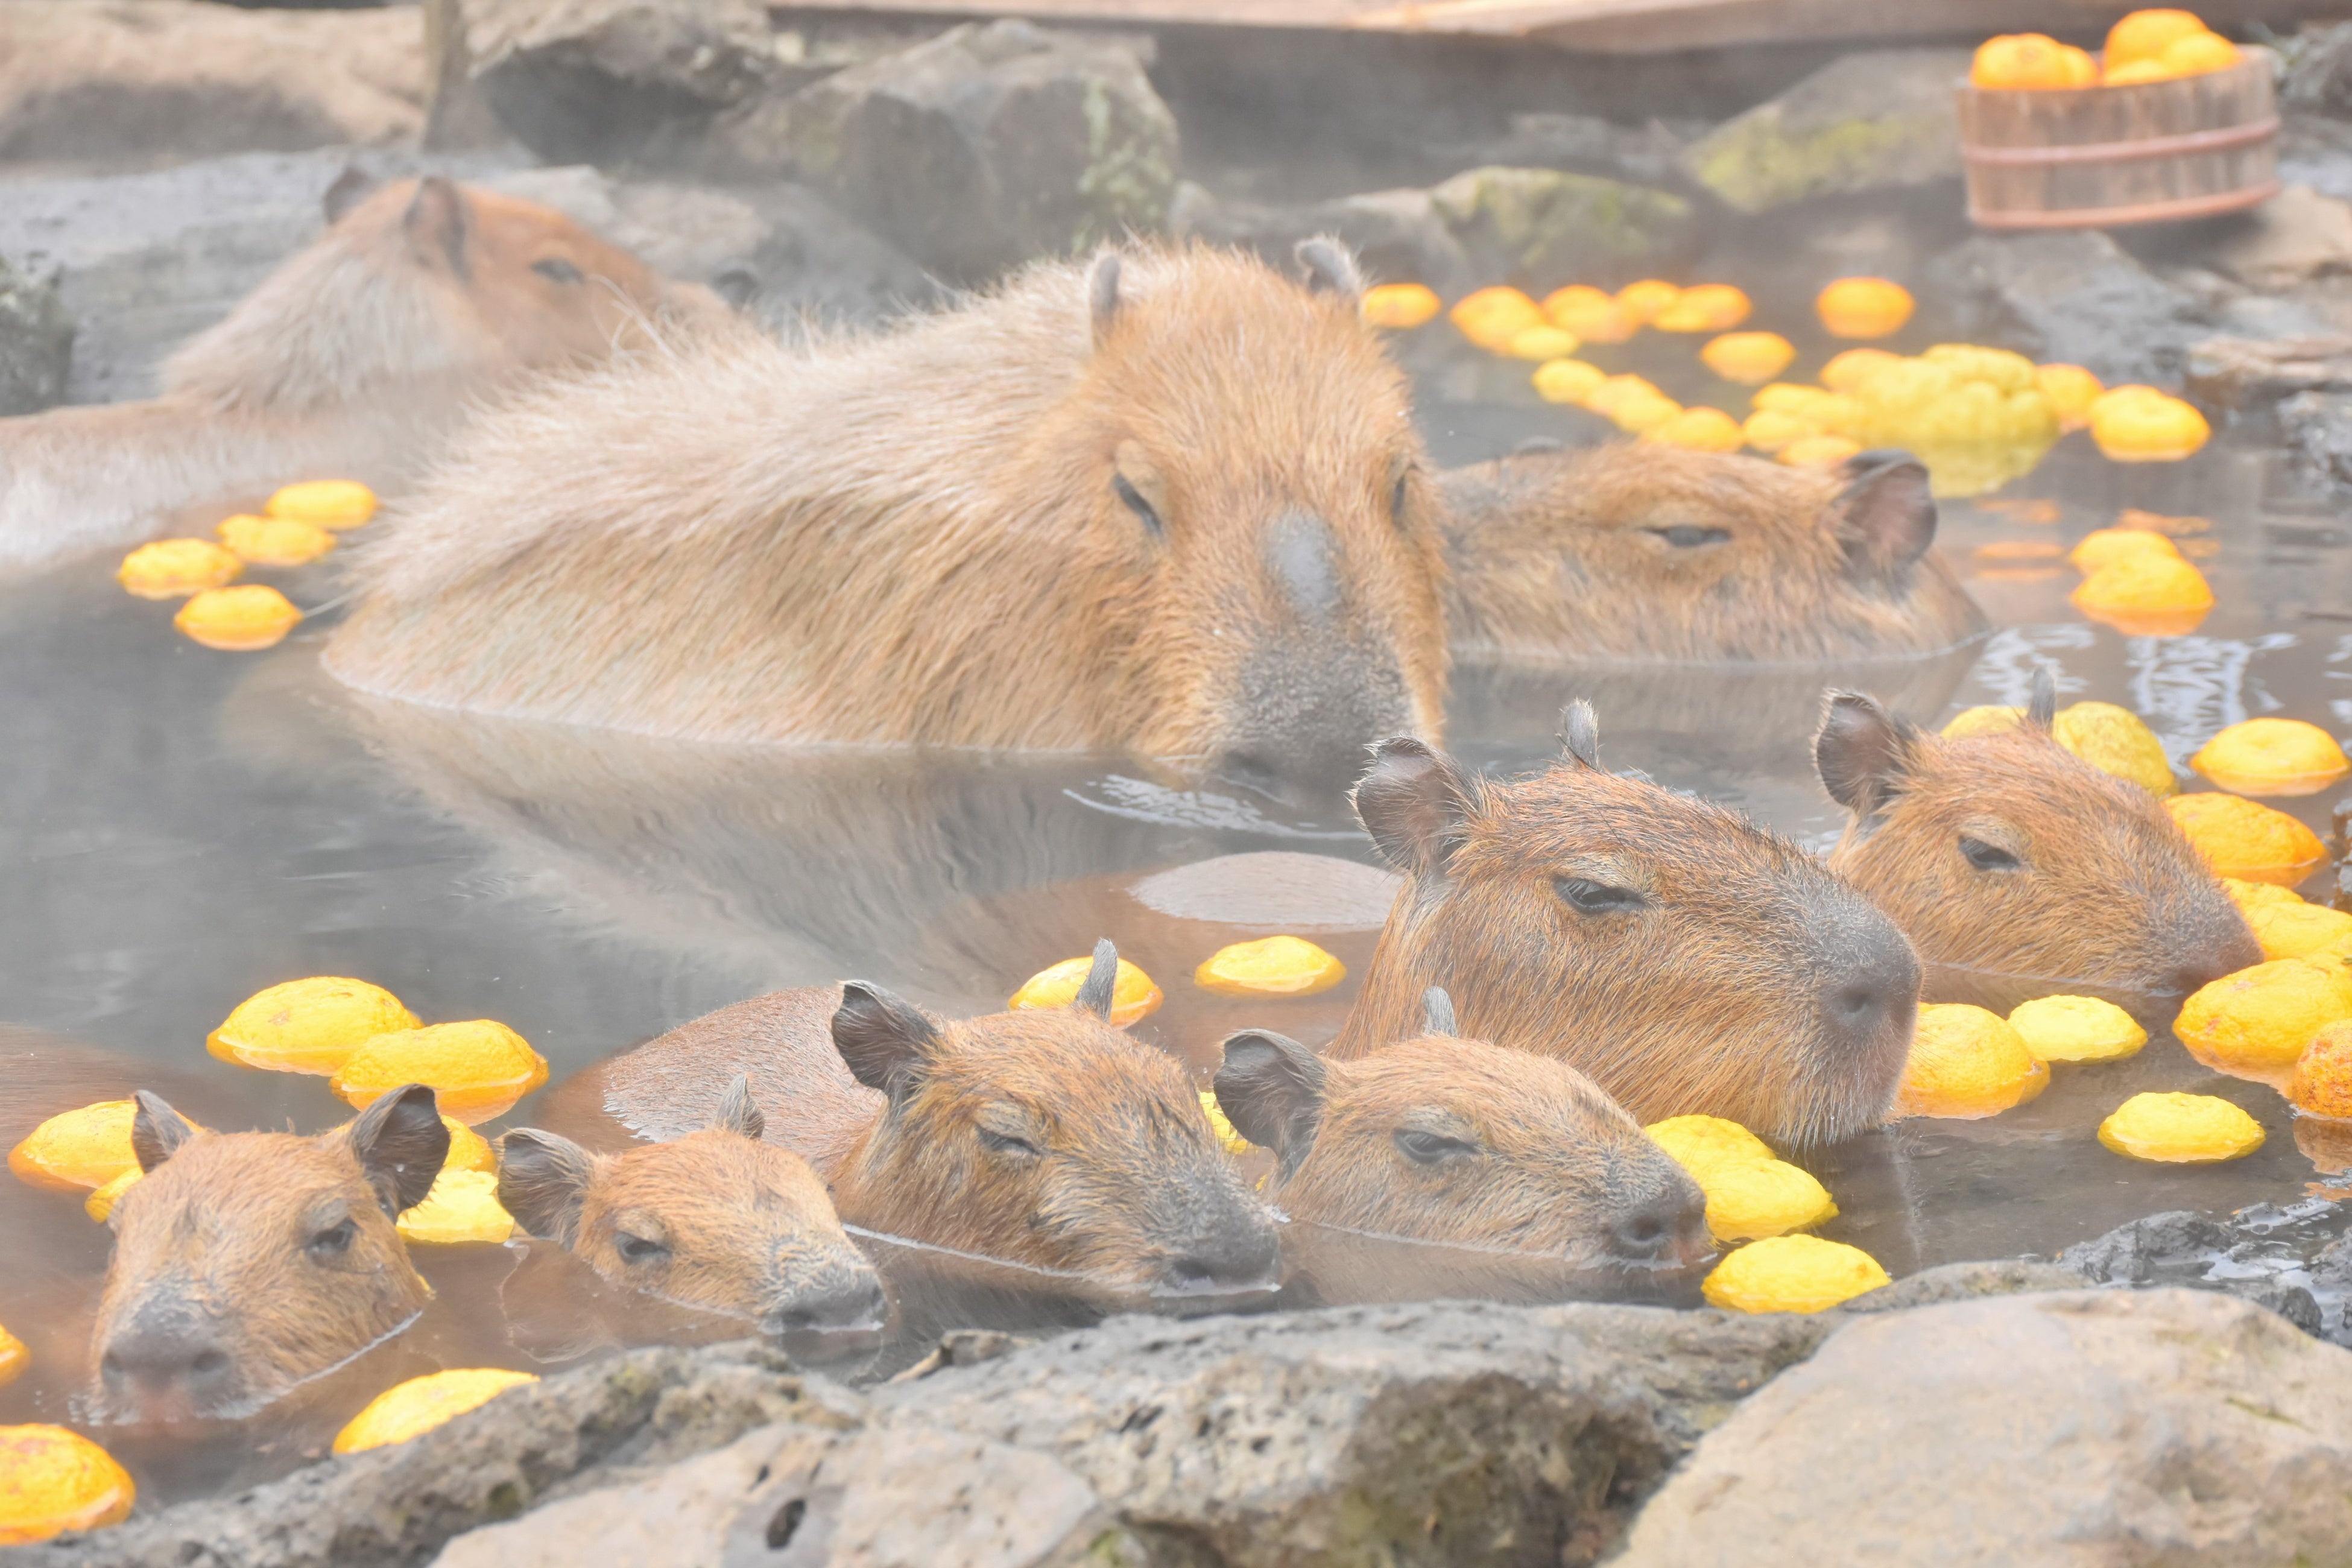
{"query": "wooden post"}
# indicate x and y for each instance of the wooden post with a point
(455, 114)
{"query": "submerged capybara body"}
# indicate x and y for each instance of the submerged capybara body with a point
(716, 1220)
(355, 359)
(1170, 503)
(245, 1263)
(2017, 867)
(1649, 551)
(1683, 958)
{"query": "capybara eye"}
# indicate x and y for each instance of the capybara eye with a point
(1005, 1143)
(1432, 1148)
(556, 270)
(1139, 506)
(1986, 856)
(1690, 536)
(637, 1249)
(1589, 897)
(333, 1241)
(1396, 498)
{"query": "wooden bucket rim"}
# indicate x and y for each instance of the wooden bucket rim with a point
(2180, 209)
(2186, 144)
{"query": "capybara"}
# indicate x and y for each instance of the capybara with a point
(2017, 867)
(1684, 958)
(356, 359)
(1043, 1139)
(1650, 552)
(245, 1263)
(1169, 502)
(716, 1219)
(1517, 1162)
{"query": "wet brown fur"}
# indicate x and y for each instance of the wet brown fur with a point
(919, 536)
(355, 359)
(1557, 555)
(2108, 893)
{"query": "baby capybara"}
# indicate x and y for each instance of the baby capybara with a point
(354, 360)
(1045, 1139)
(1651, 552)
(2019, 869)
(716, 1219)
(245, 1263)
(1685, 959)
(1169, 502)
(1493, 1156)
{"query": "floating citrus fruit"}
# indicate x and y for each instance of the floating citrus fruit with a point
(1228, 1135)
(1614, 390)
(2289, 927)
(1990, 719)
(1791, 1273)
(2245, 839)
(1769, 430)
(335, 504)
(1133, 996)
(1541, 342)
(1590, 313)
(463, 1206)
(1850, 367)
(413, 1408)
(245, 618)
(1749, 358)
(1271, 966)
(2070, 391)
(99, 1204)
(2252, 896)
(1698, 429)
(2181, 1130)
(469, 1150)
(2145, 594)
(1818, 451)
(1965, 1062)
(2322, 1084)
(2103, 545)
(1643, 302)
(2272, 756)
(174, 568)
(79, 1149)
(2114, 741)
(1640, 416)
(1570, 381)
(1705, 308)
(14, 1358)
(2260, 1019)
(1863, 308)
(477, 1070)
(1492, 317)
(2077, 1030)
(53, 1480)
(1708, 1142)
(1750, 1194)
(2147, 427)
(274, 540)
(307, 1026)
(1401, 305)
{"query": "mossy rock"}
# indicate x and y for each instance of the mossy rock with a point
(1867, 122)
(1542, 228)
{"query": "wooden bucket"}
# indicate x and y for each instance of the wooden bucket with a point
(2099, 157)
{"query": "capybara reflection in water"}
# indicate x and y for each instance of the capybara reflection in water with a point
(1169, 502)
(2013, 864)
(1683, 957)
(1043, 1139)
(1655, 553)
(716, 1219)
(354, 360)
(245, 1263)
(1515, 1167)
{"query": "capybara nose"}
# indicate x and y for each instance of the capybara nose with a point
(856, 1303)
(2209, 939)
(1243, 1262)
(1667, 1232)
(1870, 975)
(156, 1360)
(1301, 558)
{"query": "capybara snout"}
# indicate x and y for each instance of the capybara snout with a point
(245, 1263)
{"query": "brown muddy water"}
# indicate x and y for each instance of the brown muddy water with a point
(180, 828)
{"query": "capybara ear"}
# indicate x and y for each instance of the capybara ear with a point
(1886, 514)
(882, 1038)
(2041, 701)
(1579, 733)
(1330, 269)
(543, 1181)
(352, 187)
(1864, 754)
(1437, 1012)
(438, 217)
(400, 1142)
(738, 1112)
(1271, 1088)
(1102, 295)
(1416, 806)
(156, 1130)
(1101, 982)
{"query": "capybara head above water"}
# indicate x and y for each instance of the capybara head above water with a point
(2007, 858)
(245, 1263)
(716, 1219)
(1048, 1140)
(1683, 958)
(1169, 502)
(1643, 551)
(1467, 1144)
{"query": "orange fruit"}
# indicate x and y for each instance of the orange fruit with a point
(2103, 545)
(1401, 306)
(2017, 61)
(2272, 756)
(1705, 308)
(1643, 302)
(2147, 427)
(2071, 390)
(2259, 1019)
(1863, 308)
(413, 1408)
(2252, 896)
(1699, 429)
(2082, 70)
(1541, 342)
(2116, 740)
(1592, 314)
(307, 1026)
(1229, 1137)
(1133, 995)
(2198, 53)
(2289, 927)
(1492, 317)
(1818, 451)
(1270, 966)
(1749, 358)
(2077, 1030)
(14, 1358)
(173, 568)
(243, 619)
(1570, 381)
(1965, 1062)
(1640, 416)
(332, 504)
(1851, 368)
(273, 541)
(2322, 1084)
(2181, 1130)
(477, 1070)
(1791, 1273)
(1769, 430)
(463, 1206)
(2145, 35)
(1750, 1194)
(2247, 840)
(77, 1150)
(101, 1203)
(2146, 594)
(53, 1480)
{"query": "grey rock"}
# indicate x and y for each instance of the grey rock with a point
(107, 78)
(2245, 374)
(1542, 228)
(2295, 237)
(2173, 1246)
(1966, 1282)
(2318, 74)
(603, 80)
(2094, 1427)
(985, 147)
(2317, 427)
(36, 342)
(1868, 122)
(1649, 154)
(2076, 296)
(1399, 236)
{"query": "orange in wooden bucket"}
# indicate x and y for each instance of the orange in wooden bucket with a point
(2145, 35)
(2017, 61)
